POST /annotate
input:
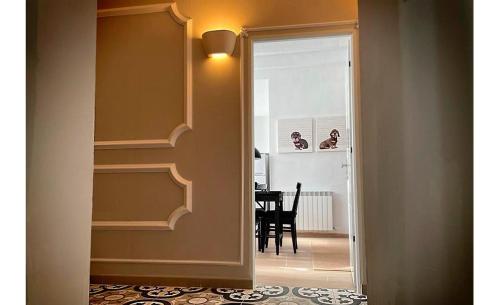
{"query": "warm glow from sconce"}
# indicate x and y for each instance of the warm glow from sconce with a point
(219, 43)
(218, 55)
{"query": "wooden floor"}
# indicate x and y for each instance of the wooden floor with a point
(319, 262)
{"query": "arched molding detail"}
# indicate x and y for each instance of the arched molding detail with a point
(186, 23)
(169, 223)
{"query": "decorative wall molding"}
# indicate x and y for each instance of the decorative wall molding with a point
(135, 10)
(150, 143)
(167, 224)
(164, 261)
(158, 143)
(186, 23)
(158, 225)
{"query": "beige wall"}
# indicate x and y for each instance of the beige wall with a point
(209, 155)
(60, 131)
(416, 89)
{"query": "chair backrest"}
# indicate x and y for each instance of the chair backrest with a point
(296, 199)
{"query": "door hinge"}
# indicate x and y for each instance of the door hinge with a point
(351, 150)
(353, 239)
(349, 63)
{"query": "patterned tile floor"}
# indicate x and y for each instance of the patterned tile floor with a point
(266, 295)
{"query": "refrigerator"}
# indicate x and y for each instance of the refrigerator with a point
(261, 171)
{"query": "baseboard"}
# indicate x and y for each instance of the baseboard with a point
(171, 281)
(321, 234)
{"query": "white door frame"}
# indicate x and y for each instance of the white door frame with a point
(247, 38)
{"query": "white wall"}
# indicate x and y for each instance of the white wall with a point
(61, 39)
(305, 78)
(261, 115)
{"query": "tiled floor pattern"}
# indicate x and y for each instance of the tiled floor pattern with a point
(319, 262)
(266, 295)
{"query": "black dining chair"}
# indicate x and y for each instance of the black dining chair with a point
(259, 226)
(287, 221)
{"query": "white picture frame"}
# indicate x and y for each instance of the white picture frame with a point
(295, 135)
(331, 134)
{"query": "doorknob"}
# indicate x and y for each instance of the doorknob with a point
(344, 165)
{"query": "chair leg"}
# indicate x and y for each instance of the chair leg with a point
(282, 234)
(277, 239)
(259, 235)
(268, 231)
(294, 238)
(264, 234)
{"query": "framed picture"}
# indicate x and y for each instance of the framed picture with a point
(295, 135)
(331, 134)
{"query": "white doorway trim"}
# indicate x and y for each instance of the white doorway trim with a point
(247, 38)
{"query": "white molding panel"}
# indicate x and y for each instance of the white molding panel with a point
(169, 223)
(186, 23)
(164, 261)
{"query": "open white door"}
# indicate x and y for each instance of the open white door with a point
(351, 178)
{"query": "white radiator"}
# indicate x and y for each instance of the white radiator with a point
(315, 210)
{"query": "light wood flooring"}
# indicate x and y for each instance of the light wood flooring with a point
(319, 262)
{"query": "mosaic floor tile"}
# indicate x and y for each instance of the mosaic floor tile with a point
(262, 295)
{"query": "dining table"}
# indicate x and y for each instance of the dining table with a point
(266, 197)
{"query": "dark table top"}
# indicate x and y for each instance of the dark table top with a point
(268, 195)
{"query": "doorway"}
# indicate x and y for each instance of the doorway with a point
(303, 131)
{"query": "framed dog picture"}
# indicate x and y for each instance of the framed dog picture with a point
(331, 134)
(295, 135)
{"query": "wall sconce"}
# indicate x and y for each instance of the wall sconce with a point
(219, 43)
